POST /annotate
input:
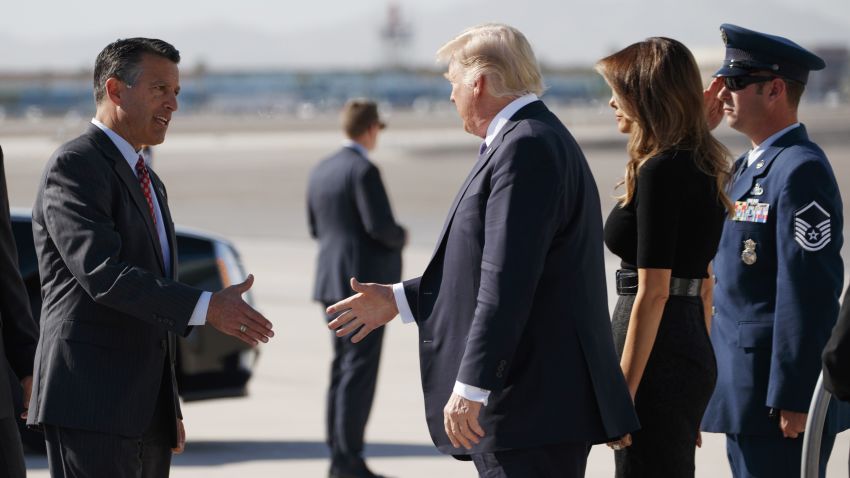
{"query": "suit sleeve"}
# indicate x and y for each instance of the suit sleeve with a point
(18, 328)
(77, 210)
(521, 220)
(808, 283)
(374, 209)
(836, 355)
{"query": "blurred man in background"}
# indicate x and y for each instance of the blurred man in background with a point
(350, 216)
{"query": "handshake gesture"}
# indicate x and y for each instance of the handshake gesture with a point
(230, 314)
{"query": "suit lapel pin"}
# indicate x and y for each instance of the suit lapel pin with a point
(759, 164)
(748, 255)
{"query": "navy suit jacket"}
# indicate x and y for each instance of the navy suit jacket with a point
(350, 215)
(18, 332)
(773, 317)
(110, 313)
(514, 299)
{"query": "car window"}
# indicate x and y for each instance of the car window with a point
(28, 263)
(197, 264)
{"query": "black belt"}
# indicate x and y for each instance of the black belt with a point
(627, 284)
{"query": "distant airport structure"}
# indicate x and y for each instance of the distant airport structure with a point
(396, 35)
(307, 93)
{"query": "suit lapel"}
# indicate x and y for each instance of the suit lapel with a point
(122, 169)
(168, 223)
(476, 169)
(746, 182)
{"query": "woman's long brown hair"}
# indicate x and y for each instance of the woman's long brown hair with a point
(657, 84)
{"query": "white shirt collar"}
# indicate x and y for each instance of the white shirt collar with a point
(124, 147)
(348, 143)
(502, 118)
(756, 152)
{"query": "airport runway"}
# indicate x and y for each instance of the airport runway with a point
(245, 179)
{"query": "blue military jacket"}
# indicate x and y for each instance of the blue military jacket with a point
(779, 276)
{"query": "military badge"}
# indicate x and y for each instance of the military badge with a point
(751, 210)
(812, 227)
(748, 255)
(759, 164)
(757, 190)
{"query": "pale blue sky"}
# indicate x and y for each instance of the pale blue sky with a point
(64, 35)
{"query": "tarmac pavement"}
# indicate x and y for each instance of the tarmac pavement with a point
(248, 184)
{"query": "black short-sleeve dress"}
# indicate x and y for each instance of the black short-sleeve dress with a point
(673, 222)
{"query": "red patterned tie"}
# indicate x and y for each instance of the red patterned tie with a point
(145, 181)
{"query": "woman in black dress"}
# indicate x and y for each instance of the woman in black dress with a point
(665, 228)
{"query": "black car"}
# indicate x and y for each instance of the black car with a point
(210, 364)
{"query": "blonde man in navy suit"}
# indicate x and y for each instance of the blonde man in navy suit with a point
(517, 358)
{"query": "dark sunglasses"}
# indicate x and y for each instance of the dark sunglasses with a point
(737, 83)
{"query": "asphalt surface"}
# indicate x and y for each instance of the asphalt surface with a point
(245, 178)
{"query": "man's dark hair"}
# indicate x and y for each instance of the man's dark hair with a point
(358, 115)
(793, 91)
(120, 59)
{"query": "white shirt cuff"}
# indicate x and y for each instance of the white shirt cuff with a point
(472, 393)
(401, 303)
(199, 315)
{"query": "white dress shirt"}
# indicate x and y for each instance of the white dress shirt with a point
(199, 315)
(756, 152)
(469, 392)
(348, 143)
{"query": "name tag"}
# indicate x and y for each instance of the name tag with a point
(751, 210)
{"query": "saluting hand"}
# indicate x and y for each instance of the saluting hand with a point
(372, 307)
(713, 103)
(460, 418)
(230, 314)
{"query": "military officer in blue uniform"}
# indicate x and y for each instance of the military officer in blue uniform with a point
(778, 269)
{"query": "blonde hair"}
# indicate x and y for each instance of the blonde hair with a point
(500, 52)
(656, 83)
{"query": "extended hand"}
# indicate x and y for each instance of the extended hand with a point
(713, 104)
(181, 438)
(233, 316)
(623, 442)
(460, 417)
(372, 307)
(792, 423)
(26, 383)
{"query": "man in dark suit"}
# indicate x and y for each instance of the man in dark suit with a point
(350, 215)
(517, 358)
(18, 336)
(836, 355)
(104, 388)
(778, 267)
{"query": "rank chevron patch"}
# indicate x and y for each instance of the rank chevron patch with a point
(812, 227)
